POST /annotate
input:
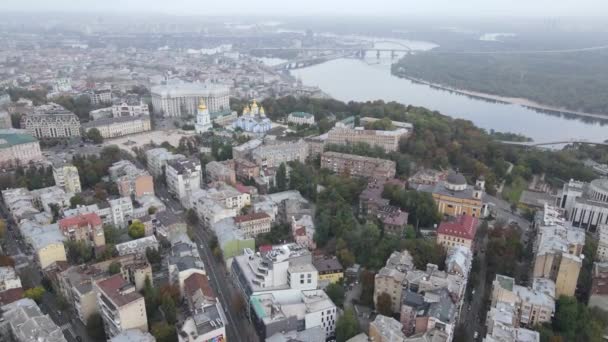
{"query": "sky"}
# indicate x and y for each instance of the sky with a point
(325, 7)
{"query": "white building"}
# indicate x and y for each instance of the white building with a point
(119, 126)
(18, 148)
(183, 178)
(301, 118)
(183, 99)
(101, 96)
(121, 211)
(51, 121)
(586, 204)
(5, 119)
(133, 335)
(273, 155)
(9, 278)
(203, 119)
(67, 177)
(22, 321)
(137, 246)
(215, 204)
(130, 106)
(206, 324)
(157, 159)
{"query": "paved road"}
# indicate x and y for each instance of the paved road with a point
(238, 327)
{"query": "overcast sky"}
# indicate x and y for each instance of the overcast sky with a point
(304, 7)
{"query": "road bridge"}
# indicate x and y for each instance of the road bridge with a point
(549, 143)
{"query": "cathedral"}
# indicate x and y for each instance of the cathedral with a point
(203, 118)
(253, 120)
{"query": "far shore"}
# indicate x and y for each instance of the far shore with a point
(509, 100)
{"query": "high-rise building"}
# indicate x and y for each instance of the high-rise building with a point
(183, 99)
(67, 177)
(183, 178)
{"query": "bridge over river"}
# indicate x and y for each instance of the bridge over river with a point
(549, 143)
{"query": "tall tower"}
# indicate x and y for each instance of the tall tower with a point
(203, 119)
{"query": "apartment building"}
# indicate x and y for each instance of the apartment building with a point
(22, 321)
(602, 245)
(157, 159)
(51, 121)
(253, 224)
(121, 306)
(17, 148)
(137, 246)
(219, 202)
(101, 96)
(183, 178)
(273, 155)
(9, 279)
(599, 286)
(207, 322)
(87, 228)
(329, 269)
(557, 251)
(131, 180)
(585, 204)
(121, 211)
(174, 100)
(67, 177)
(387, 140)
(119, 126)
(246, 170)
(220, 172)
(386, 329)
(358, 166)
(46, 241)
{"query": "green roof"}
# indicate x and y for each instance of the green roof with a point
(257, 307)
(348, 120)
(505, 282)
(12, 139)
(301, 114)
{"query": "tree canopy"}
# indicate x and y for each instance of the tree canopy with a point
(137, 230)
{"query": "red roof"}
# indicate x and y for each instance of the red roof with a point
(251, 217)
(265, 248)
(10, 295)
(244, 189)
(301, 231)
(113, 287)
(463, 226)
(83, 220)
(197, 282)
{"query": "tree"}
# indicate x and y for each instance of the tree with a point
(137, 230)
(76, 200)
(169, 309)
(347, 326)
(111, 234)
(192, 217)
(281, 177)
(164, 332)
(78, 252)
(94, 135)
(384, 304)
(336, 293)
(35, 293)
(114, 267)
(152, 210)
(153, 256)
(95, 327)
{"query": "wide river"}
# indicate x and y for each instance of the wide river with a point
(371, 79)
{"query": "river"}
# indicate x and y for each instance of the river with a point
(371, 79)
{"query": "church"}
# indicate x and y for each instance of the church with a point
(203, 118)
(253, 120)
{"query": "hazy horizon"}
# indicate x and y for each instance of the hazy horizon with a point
(478, 8)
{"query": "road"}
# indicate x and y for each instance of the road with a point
(238, 327)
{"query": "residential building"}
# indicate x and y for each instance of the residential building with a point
(18, 148)
(121, 211)
(558, 251)
(20, 203)
(231, 240)
(87, 228)
(46, 241)
(67, 177)
(602, 244)
(45, 198)
(454, 197)
(316, 145)
(244, 150)
(101, 96)
(457, 231)
(282, 206)
(11, 296)
(131, 180)
(119, 126)
(22, 321)
(586, 204)
(427, 177)
(394, 220)
(5, 119)
(133, 335)
(131, 105)
(137, 246)
(284, 267)
(273, 313)
(246, 170)
(329, 269)
(176, 100)
(9, 279)
(301, 118)
(358, 166)
(385, 329)
(157, 159)
(184, 261)
(51, 121)
(253, 224)
(311, 334)
(599, 286)
(273, 155)
(122, 307)
(303, 231)
(371, 202)
(205, 324)
(220, 172)
(387, 140)
(219, 202)
(183, 178)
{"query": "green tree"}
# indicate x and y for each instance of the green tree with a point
(94, 136)
(76, 200)
(153, 256)
(137, 230)
(346, 326)
(114, 267)
(78, 252)
(152, 210)
(151, 297)
(281, 177)
(384, 304)
(35, 293)
(95, 328)
(336, 293)
(169, 309)
(111, 234)
(164, 332)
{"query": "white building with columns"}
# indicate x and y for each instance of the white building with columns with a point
(182, 99)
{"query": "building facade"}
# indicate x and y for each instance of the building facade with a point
(67, 177)
(18, 149)
(183, 178)
(184, 99)
(157, 158)
(301, 118)
(87, 228)
(358, 166)
(271, 156)
(459, 231)
(121, 306)
(130, 106)
(51, 121)
(253, 224)
(119, 126)
(586, 204)
(387, 140)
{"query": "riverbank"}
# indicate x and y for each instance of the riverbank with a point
(505, 100)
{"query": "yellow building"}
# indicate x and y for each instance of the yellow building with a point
(329, 269)
(454, 197)
(49, 253)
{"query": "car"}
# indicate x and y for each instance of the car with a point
(476, 335)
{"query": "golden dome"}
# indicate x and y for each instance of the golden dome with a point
(202, 105)
(254, 104)
(246, 110)
(262, 111)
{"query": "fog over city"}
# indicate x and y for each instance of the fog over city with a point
(328, 7)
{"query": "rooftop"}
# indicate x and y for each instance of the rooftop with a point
(118, 290)
(251, 217)
(11, 139)
(83, 220)
(327, 265)
(28, 323)
(463, 226)
(133, 335)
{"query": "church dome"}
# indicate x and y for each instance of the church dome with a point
(201, 105)
(456, 181)
(254, 104)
